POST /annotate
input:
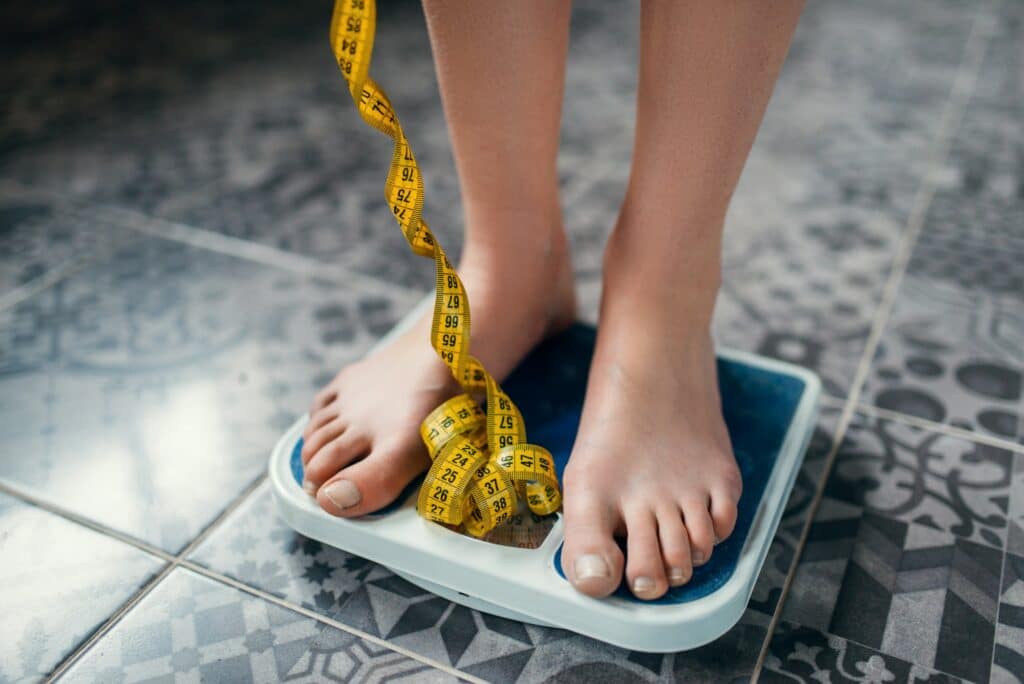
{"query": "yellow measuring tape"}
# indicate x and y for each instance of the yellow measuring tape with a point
(482, 464)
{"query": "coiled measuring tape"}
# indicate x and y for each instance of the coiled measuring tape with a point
(481, 464)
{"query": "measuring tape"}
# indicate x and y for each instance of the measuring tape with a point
(481, 464)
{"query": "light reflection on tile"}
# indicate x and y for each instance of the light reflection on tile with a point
(58, 582)
(149, 387)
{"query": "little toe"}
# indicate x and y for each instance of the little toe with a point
(698, 524)
(723, 513)
(675, 546)
(592, 559)
(320, 438)
(332, 457)
(645, 567)
(370, 484)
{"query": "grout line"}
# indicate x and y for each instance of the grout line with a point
(331, 622)
(42, 282)
(251, 251)
(235, 504)
(201, 238)
(63, 270)
(952, 114)
(941, 428)
(78, 519)
(173, 561)
(995, 619)
(180, 560)
(105, 628)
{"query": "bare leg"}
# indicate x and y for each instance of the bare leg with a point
(501, 70)
(653, 459)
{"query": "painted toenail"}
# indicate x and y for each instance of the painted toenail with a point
(343, 493)
(589, 567)
(677, 576)
(309, 487)
(643, 585)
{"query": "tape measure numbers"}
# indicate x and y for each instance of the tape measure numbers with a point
(482, 465)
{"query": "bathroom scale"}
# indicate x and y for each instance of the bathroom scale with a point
(516, 571)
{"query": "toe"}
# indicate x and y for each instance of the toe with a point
(675, 546)
(372, 483)
(645, 567)
(592, 559)
(698, 524)
(321, 437)
(332, 457)
(324, 397)
(723, 513)
(319, 418)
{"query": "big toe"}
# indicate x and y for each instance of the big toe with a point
(370, 484)
(593, 561)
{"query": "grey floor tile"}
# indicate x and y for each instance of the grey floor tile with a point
(952, 351)
(97, 77)
(60, 581)
(1008, 660)
(190, 628)
(928, 478)
(782, 552)
(803, 654)
(149, 386)
(254, 546)
(907, 590)
(40, 236)
(832, 177)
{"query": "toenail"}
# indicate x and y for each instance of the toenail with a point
(343, 493)
(309, 487)
(589, 567)
(643, 585)
(677, 576)
(698, 558)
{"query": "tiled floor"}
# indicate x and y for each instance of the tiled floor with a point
(191, 241)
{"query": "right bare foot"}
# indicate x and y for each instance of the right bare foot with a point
(362, 444)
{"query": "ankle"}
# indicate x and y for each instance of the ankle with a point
(670, 287)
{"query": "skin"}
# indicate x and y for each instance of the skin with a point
(652, 460)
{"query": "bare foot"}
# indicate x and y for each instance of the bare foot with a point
(652, 460)
(362, 443)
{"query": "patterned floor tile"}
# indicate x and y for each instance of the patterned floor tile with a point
(782, 552)
(60, 581)
(40, 236)
(1008, 660)
(906, 473)
(907, 590)
(148, 386)
(832, 177)
(190, 628)
(254, 546)
(953, 351)
(802, 654)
